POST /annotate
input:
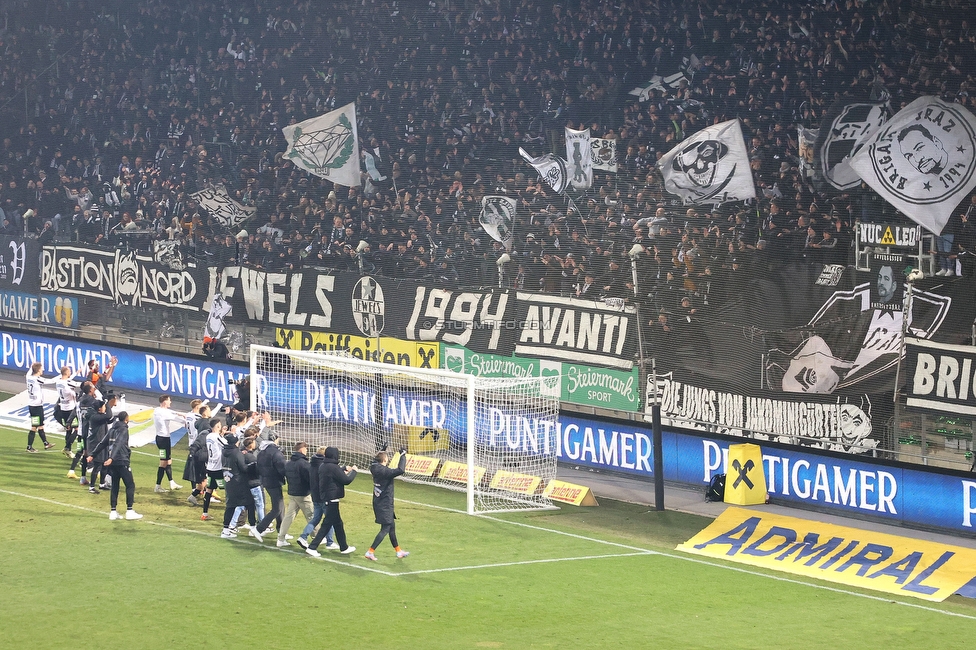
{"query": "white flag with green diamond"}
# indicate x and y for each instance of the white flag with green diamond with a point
(327, 146)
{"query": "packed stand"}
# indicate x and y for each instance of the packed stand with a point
(113, 120)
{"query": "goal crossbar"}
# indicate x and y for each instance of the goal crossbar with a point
(497, 433)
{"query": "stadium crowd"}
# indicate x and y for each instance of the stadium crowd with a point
(114, 116)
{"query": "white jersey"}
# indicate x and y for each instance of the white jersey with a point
(34, 395)
(215, 452)
(67, 399)
(162, 416)
(191, 426)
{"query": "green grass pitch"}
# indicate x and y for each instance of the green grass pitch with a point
(575, 578)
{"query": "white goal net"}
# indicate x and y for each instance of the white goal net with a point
(494, 438)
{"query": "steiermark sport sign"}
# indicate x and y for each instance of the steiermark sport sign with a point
(571, 382)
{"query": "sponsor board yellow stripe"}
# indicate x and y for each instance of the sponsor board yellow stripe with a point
(850, 556)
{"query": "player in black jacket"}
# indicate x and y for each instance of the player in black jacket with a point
(99, 417)
(119, 455)
(333, 480)
(271, 467)
(298, 475)
(383, 476)
(237, 490)
(85, 403)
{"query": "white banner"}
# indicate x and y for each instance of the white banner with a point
(551, 168)
(604, 154)
(580, 158)
(711, 167)
(846, 128)
(807, 139)
(498, 218)
(922, 160)
(327, 146)
(222, 207)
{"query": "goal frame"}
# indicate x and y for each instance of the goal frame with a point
(431, 373)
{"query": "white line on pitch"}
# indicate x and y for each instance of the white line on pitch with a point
(638, 551)
(522, 562)
(199, 532)
(675, 556)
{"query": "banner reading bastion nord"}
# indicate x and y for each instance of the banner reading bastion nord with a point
(571, 382)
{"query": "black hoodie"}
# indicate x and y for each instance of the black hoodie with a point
(313, 475)
(333, 478)
(297, 472)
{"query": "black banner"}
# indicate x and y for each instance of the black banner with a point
(887, 281)
(582, 331)
(18, 265)
(372, 306)
(940, 376)
(482, 321)
(125, 277)
(851, 343)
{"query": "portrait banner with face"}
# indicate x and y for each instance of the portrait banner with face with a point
(923, 160)
(806, 138)
(887, 276)
(711, 167)
(580, 158)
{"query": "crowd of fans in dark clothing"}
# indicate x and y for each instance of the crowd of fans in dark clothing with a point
(114, 117)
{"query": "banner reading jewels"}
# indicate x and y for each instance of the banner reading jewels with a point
(579, 384)
(371, 306)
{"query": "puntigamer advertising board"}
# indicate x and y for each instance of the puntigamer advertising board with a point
(830, 481)
(184, 376)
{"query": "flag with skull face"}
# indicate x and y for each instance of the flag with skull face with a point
(711, 167)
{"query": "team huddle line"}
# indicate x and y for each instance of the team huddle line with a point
(238, 453)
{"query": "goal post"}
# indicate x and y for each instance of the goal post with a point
(493, 438)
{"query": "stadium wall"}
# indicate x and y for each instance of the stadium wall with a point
(832, 482)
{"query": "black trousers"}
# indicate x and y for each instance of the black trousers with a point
(332, 520)
(386, 529)
(122, 474)
(275, 511)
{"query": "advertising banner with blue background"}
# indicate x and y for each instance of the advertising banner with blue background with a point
(828, 481)
(833, 482)
(184, 376)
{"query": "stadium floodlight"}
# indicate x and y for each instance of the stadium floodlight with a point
(493, 438)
